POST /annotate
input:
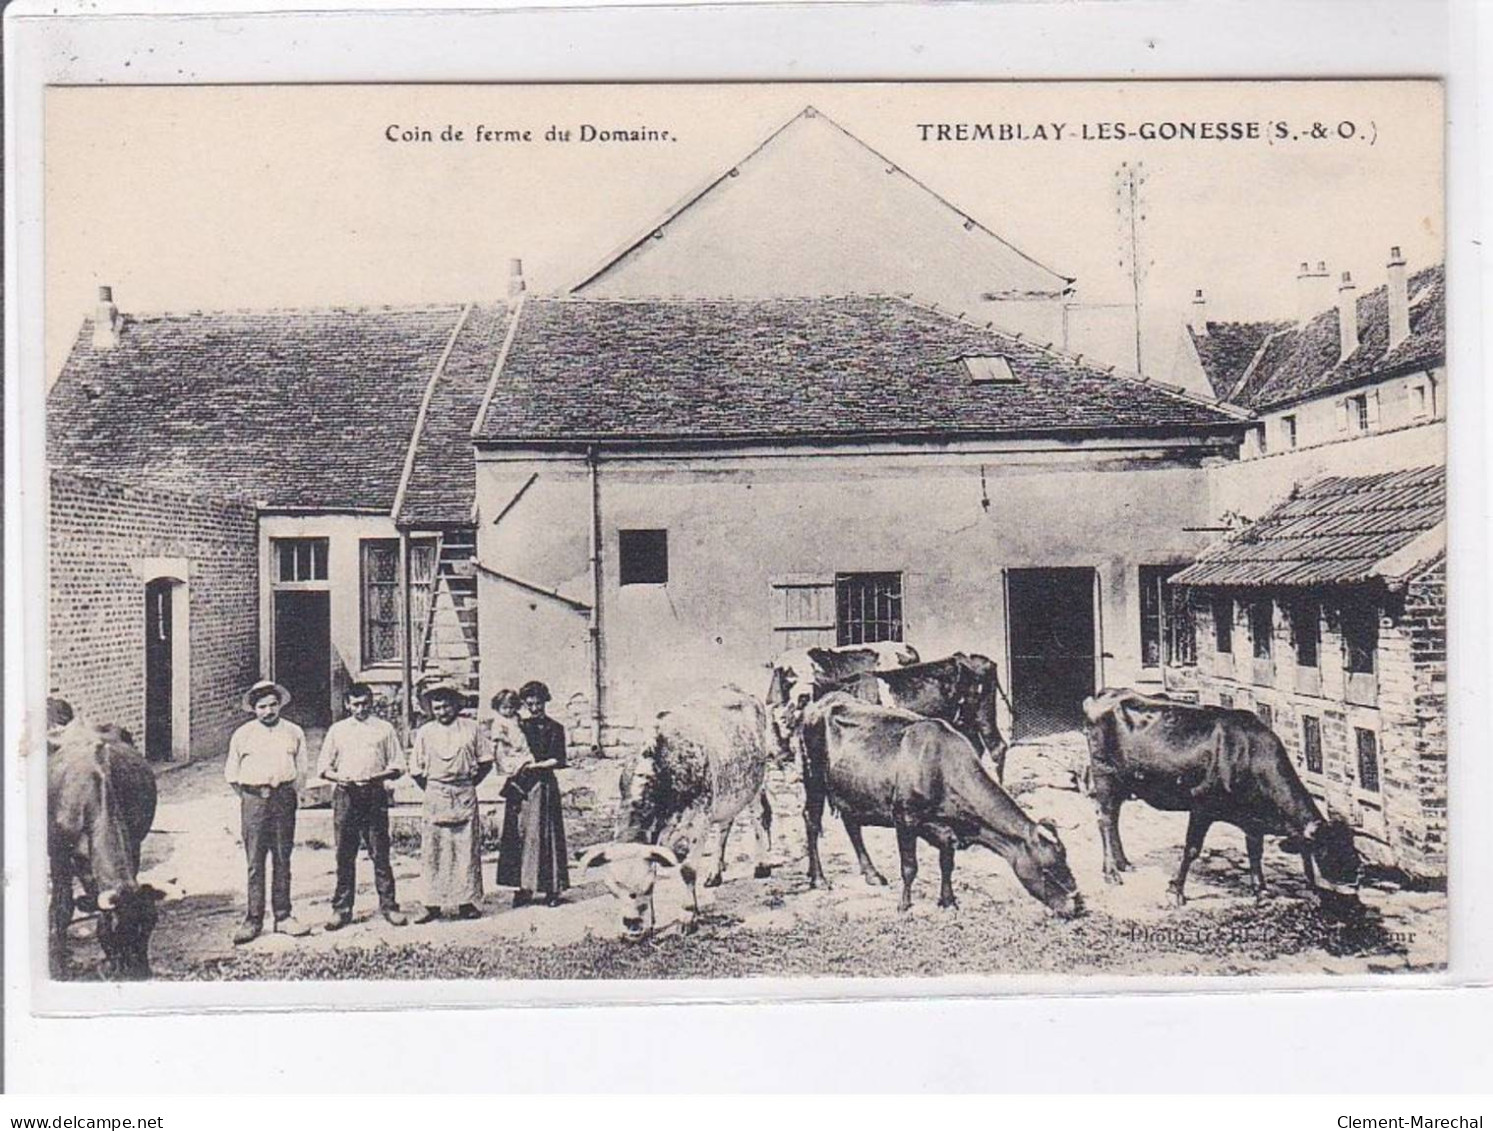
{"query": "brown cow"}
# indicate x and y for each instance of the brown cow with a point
(960, 689)
(1215, 764)
(890, 768)
(101, 799)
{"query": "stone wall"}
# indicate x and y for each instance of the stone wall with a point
(1407, 716)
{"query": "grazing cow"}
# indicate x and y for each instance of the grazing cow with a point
(891, 768)
(804, 674)
(960, 689)
(706, 764)
(101, 799)
(1215, 764)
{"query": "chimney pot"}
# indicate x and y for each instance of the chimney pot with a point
(515, 279)
(1397, 300)
(1313, 291)
(106, 320)
(1197, 317)
(1347, 317)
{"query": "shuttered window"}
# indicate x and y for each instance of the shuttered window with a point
(803, 611)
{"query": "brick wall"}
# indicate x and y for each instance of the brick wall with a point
(101, 535)
(1408, 718)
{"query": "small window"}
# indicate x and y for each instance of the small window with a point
(1360, 636)
(1261, 628)
(643, 557)
(991, 370)
(1264, 440)
(300, 559)
(1266, 714)
(1288, 430)
(1311, 743)
(1368, 759)
(868, 607)
(1226, 700)
(1306, 632)
(1420, 401)
(1223, 625)
(1358, 412)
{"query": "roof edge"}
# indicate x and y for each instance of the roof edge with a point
(419, 428)
(516, 313)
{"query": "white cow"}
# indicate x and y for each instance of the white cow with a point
(705, 765)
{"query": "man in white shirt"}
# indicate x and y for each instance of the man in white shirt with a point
(266, 764)
(360, 753)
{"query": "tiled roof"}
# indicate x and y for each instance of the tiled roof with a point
(1298, 364)
(299, 408)
(1227, 348)
(442, 484)
(851, 367)
(1335, 532)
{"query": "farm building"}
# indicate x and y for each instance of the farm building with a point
(1327, 618)
(323, 452)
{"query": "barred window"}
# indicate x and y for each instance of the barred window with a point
(300, 559)
(1368, 759)
(1311, 743)
(868, 607)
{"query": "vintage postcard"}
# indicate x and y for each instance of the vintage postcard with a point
(760, 533)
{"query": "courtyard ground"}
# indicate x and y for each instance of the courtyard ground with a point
(779, 926)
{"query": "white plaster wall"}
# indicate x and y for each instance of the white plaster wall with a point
(736, 523)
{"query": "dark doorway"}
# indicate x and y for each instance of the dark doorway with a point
(1051, 625)
(303, 654)
(158, 672)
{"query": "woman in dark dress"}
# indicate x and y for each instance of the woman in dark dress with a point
(532, 854)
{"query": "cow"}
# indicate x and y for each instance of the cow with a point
(101, 799)
(960, 689)
(892, 768)
(705, 764)
(802, 675)
(1215, 764)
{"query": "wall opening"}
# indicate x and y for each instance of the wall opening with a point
(1050, 615)
(303, 653)
(168, 662)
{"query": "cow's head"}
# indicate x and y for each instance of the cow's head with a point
(1041, 864)
(975, 711)
(1331, 846)
(630, 873)
(126, 916)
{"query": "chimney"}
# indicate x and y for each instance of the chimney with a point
(1347, 316)
(1313, 292)
(105, 320)
(1399, 299)
(515, 280)
(1197, 317)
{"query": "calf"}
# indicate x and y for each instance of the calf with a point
(1214, 764)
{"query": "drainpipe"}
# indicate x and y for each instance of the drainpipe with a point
(407, 644)
(596, 582)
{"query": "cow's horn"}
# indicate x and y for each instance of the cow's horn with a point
(595, 856)
(1372, 837)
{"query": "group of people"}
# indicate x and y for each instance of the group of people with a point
(361, 755)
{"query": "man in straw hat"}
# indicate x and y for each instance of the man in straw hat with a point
(266, 765)
(447, 761)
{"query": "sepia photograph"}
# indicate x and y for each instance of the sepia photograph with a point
(525, 534)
